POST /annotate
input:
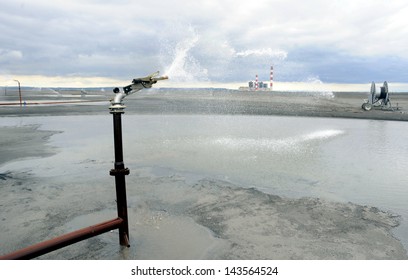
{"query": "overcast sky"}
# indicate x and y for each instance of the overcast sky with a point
(347, 41)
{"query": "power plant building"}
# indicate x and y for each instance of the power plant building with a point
(259, 85)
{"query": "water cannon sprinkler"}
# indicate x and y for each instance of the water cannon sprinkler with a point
(119, 170)
(136, 85)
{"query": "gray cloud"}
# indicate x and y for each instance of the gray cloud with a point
(223, 41)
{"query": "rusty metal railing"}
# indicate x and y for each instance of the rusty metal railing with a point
(63, 241)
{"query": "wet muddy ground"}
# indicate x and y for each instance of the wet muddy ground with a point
(176, 216)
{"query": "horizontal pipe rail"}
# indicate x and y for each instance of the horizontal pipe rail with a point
(62, 241)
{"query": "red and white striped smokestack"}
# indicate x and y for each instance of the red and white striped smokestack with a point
(271, 84)
(256, 82)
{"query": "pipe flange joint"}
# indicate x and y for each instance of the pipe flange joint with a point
(116, 172)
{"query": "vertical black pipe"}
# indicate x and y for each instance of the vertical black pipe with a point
(117, 134)
(119, 172)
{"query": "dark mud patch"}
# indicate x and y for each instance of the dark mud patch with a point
(24, 142)
(264, 226)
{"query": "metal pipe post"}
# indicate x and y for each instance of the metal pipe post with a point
(119, 172)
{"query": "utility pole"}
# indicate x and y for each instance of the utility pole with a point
(19, 92)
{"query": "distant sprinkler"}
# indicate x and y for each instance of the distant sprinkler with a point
(271, 81)
(256, 82)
